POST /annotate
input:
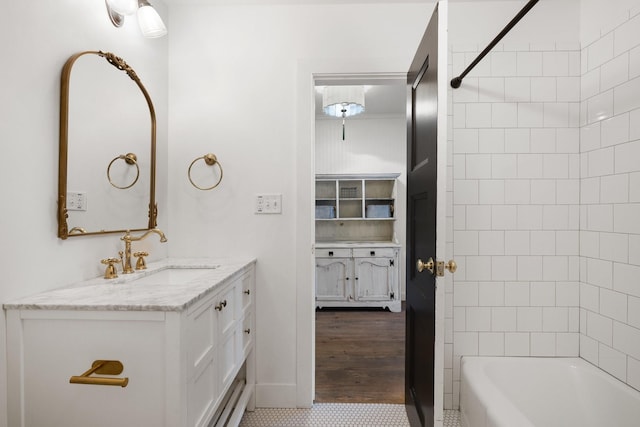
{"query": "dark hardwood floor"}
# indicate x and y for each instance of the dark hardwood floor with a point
(359, 356)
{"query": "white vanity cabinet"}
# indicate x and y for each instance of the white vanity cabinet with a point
(353, 275)
(180, 360)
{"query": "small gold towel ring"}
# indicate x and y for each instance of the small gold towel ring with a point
(210, 159)
(130, 159)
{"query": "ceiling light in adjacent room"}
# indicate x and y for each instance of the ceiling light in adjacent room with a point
(343, 101)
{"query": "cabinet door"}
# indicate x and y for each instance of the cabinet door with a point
(374, 278)
(332, 279)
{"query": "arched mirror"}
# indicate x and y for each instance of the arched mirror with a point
(107, 163)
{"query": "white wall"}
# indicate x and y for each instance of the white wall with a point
(37, 38)
(234, 73)
(610, 195)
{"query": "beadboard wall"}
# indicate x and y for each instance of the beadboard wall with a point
(373, 144)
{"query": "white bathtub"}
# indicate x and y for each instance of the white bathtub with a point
(543, 392)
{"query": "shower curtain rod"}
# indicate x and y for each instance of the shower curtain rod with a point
(457, 81)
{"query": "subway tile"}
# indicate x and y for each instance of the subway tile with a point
(634, 249)
(567, 294)
(530, 268)
(555, 64)
(633, 311)
(530, 166)
(627, 157)
(503, 63)
(478, 319)
(589, 84)
(468, 92)
(466, 242)
(556, 166)
(613, 304)
(491, 344)
(568, 140)
(626, 339)
(627, 35)
(589, 244)
(600, 218)
(601, 106)
(568, 89)
(517, 89)
(633, 373)
(503, 319)
(589, 349)
(600, 51)
(555, 319)
(530, 217)
(543, 344)
(567, 345)
(530, 114)
(504, 166)
(504, 268)
(504, 217)
(491, 89)
(516, 293)
(590, 191)
(600, 328)
(574, 114)
(555, 268)
(543, 294)
(491, 294)
(574, 64)
(634, 124)
(614, 189)
(491, 141)
(625, 218)
(491, 242)
(574, 267)
(529, 319)
(613, 19)
(542, 46)
(543, 140)
(483, 68)
(478, 166)
(634, 62)
(459, 116)
(543, 242)
(600, 273)
(479, 115)
(515, 46)
(517, 140)
(615, 130)
(614, 72)
(601, 162)
(478, 268)
(613, 362)
(589, 137)
(583, 320)
(567, 242)
(574, 319)
(590, 297)
(465, 294)
(465, 140)
(555, 217)
(459, 319)
(491, 192)
(543, 192)
(626, 96)
(568, 191)
(504, 115)
(584, 116)
(465, 192)
(614, 247)
(543, 89)
(478, 217)
(529, 63)
(625, 279)
(465, 343)
(517, 192)
(516, 344)
(574, 166)
(517, 243)
(459, 166)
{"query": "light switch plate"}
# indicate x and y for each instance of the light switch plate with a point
(76, 201)
(268, 204)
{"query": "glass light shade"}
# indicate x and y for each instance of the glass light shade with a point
(338, 98)
(123, 7)
(150, 22)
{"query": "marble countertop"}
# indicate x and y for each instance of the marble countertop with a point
(125, 294)
(322, 245)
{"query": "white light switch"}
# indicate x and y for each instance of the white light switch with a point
(269, 203)
(76, 201)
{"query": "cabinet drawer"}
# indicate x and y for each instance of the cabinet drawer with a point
(333, 253)
(247, 290)
(374, 252)
(247, 334)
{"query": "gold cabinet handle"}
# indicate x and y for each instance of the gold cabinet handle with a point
(421, 265)
(102, 367)
(451, 266)
(220, 306)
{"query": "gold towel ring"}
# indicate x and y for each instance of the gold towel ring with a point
(210, 159)
(130, 159)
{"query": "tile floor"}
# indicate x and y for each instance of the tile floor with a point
(337, 415)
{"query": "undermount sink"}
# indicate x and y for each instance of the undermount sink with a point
(173, 276)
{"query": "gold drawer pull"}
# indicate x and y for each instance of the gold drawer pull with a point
(102, 367)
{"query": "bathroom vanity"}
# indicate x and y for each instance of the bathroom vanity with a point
(182, 330)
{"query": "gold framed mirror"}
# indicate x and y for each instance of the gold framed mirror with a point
(107, 168)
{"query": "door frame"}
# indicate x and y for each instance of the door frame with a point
(307, 72)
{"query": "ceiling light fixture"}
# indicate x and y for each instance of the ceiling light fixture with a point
(343, 101)
(149, 20)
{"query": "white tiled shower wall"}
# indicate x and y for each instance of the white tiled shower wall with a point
(544, 204)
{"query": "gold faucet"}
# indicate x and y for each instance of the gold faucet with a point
(125, 256)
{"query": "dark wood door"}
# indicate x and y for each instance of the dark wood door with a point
(422, 130)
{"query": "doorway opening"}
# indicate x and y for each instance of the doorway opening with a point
(360, 195)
